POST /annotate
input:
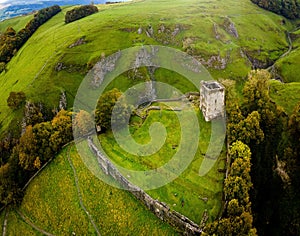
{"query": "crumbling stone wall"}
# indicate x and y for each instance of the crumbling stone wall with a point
(160, 209)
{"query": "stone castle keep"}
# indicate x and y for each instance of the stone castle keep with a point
(212, 100)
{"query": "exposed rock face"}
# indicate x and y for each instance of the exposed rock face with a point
(103, 67)
(150, 31)
(257, 63)
(77, 43)
(63, 101)
(144, 57)
(230, 27)
(216, 61)
(32, 113)
(140, 30)
(69, 68)
(60, 66)
(217, 34)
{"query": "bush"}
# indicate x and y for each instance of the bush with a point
(15, 100)
(80, 12)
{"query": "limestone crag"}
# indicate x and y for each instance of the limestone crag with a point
(103, 67)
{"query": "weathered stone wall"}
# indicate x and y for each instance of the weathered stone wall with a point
(160, 209)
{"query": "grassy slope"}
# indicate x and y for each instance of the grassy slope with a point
(18, 23)
(51, 202)
(33, 66)
(189, 185)
(285, 95)
(288, 67)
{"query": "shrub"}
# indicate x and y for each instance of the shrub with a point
(15, 100)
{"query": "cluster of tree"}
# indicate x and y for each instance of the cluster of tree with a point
(273, 138)
(237, 218)
(289, 195)
(108, 102)
(11, 42)
(37, 145)
(287, 8)
(80, 12)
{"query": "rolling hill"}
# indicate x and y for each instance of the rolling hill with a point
(202, 31)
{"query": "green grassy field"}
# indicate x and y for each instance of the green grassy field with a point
(51, 202)
(189, 185)
(17, 23)
(115, 27)
(285, 95)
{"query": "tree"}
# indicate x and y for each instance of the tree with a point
(80, 12)
(27, 150)
(10, 192)
(287, 8)
(42, 134)
(237, 218)
(105, 107)
(83, 123)
(16, 100)
(61, 130)
(267, 185)
(248, 129)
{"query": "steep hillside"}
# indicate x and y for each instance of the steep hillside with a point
(223, 37)
(64, 201)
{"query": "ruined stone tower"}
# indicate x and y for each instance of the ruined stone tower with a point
(212, 99)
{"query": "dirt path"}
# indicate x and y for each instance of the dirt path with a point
(27, 221)
(79, 193)
(290, 42)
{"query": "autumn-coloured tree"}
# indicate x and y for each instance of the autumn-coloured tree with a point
(61, 130)
(83, 123)
(26, 150)
(42, 134)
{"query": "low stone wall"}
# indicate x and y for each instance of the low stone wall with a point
(160, 209)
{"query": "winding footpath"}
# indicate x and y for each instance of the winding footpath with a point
(27, 221)
(37, 228)
(290, 42)
(79, 193)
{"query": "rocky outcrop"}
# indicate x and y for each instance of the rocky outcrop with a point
(230, 27)
(216, 32)
(77, 43)
(256, 63)
(216, 61)
(104, 66)
(33, 113)
(63, 101)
